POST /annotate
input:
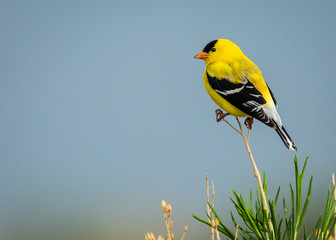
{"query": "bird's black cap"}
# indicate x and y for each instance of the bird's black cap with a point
(209, 46)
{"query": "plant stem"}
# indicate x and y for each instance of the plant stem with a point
(257, 175)
(236, 235)
(255, 169)
(209, 213)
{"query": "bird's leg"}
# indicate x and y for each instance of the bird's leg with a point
(220, 115)
(248, 122)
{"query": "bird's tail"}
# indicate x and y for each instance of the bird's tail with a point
(285, 137)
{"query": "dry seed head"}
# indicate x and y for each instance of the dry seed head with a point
(169, 208)
(164, 205)
(185, 231)
(150, 236)
(160, 238)
(172, 236)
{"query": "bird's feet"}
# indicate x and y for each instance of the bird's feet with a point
(248, 122)
(220, 115)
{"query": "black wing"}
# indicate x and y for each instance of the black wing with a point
(243, 96)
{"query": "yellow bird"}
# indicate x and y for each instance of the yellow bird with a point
(236, 84)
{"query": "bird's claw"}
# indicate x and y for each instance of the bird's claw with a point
(220, 115)
(248, 122)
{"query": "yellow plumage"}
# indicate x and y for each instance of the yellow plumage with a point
(236, 84)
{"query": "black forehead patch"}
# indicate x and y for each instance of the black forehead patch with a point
(209, 46)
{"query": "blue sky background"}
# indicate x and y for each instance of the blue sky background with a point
(104, 113)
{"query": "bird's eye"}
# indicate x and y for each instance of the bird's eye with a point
(213, 49)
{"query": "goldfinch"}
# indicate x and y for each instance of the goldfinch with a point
(236, 85)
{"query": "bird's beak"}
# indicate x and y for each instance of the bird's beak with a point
(201, 55)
